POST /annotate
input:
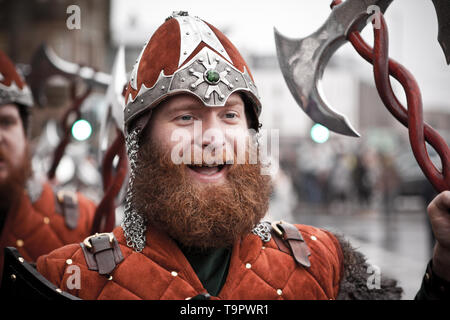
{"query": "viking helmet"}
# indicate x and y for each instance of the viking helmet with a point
(13, 88)
(188, 55)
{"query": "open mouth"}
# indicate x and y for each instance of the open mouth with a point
(207, 169)
(208, 173)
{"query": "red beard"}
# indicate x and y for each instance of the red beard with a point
(13, 186)
(201, 216)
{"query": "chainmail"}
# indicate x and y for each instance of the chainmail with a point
(134, 223)
(262, 230)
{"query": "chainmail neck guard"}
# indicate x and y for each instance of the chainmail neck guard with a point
(134, 223)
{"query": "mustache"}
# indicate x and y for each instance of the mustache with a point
(198, 216)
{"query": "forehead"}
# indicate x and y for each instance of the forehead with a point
(188, 102)
(9, 110)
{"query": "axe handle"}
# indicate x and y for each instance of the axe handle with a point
(419, 132)
(60, 149)
(104, 217)
(440, 180)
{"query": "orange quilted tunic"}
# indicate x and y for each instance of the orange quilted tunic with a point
(257, 270)
(38, 228)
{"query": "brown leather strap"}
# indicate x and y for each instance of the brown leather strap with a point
(291, 242)
(67, 205)
(104, 253)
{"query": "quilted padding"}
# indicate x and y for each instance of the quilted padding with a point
(37, 228)
(257, 270)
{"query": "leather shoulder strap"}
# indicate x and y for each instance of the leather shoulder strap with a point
(289, 240)
(102, 253)
(66, 203)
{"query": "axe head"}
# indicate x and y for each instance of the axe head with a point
(45, 64)
(302, 61)
(443, 15)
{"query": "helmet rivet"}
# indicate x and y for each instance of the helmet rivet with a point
(142, 100)
(182, 79)
(185, 53)
(191, 71)
(230, 86)
(193, 86)
(227, 69)
(236, 79)
(163, 88)
(187, 33)
(222, 97)
(207, 96)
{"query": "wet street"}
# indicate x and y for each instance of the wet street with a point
(399, 243)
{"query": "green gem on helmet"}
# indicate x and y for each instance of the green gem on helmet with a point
(212, 76)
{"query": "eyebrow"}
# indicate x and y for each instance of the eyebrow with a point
(7, 114)
(183, 107)
(194, 105)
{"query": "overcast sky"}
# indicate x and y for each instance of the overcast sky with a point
(249, 24)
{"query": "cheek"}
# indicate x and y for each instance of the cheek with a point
(167, 136)
(238, 138)
(16, 142)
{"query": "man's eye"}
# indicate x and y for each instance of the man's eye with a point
(6, 122)
(230, 115)
(186, 118)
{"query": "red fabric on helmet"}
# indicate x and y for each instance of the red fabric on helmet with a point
(9, 72)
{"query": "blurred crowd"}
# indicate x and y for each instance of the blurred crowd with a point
(348, 177)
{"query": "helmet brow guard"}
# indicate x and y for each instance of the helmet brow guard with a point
(12, 87)
(188, 55)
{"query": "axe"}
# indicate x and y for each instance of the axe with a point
(303, 61)
(45, 64)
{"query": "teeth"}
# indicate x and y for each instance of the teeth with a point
(205, 165)
(206, 170)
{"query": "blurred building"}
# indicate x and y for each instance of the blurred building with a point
(26, 24)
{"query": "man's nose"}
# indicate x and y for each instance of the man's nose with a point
(212, 132)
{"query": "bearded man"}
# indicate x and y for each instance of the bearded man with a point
(33, 217)
(192, 222)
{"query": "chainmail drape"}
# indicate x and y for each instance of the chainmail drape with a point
(134, 223)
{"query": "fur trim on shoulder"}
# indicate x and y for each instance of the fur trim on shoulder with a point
(355, 283)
